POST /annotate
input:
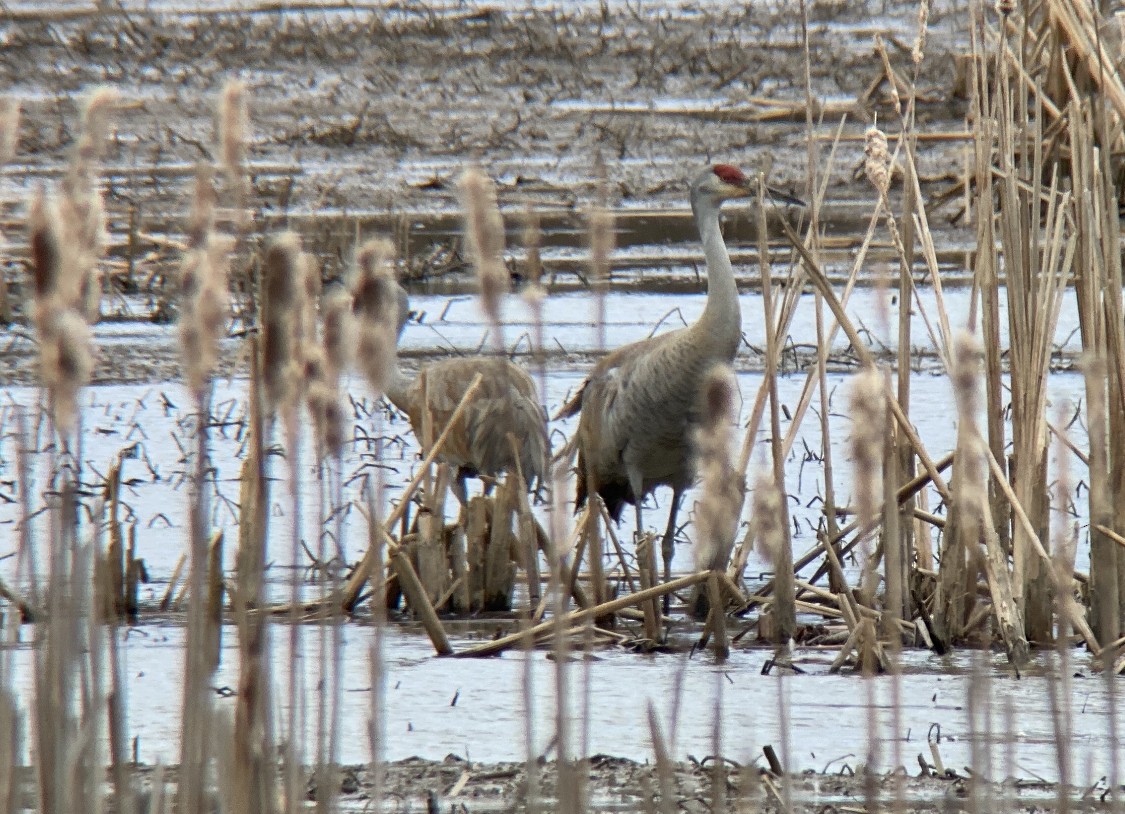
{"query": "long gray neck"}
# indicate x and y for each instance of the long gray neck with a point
(398, 387)
(721, 317)
(398, 383)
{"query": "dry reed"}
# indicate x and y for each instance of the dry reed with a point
(375, 305)
(282, 270)
(484, 237)
(720, 505)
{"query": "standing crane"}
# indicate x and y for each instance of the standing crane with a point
(504, 415)
(640, 404)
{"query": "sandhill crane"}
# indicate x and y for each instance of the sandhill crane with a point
(641, 402)
(506, 406)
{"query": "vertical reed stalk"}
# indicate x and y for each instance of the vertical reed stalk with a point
(783, 610)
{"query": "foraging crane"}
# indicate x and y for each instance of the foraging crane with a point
(641, 402)
(506, 406)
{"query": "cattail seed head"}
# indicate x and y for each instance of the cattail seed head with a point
(484, 235)
(234, 129)
(323, 367)
(282, 284)
(66, 362)
(533, 292)
(869, 420)
(878, 160)
(376, 307)
(205, 308)
(202, 218)
(99, 106)
(918, 52)
(602, 242)
(533, 244)
(967, 359)
(338, 329)
(718, 510)
(768, 518)
(46, 251)
(9, 128)
(1005, 7)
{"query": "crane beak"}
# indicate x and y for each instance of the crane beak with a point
(780, 198)
(775, 196)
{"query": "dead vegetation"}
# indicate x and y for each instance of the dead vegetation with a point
(987, 569)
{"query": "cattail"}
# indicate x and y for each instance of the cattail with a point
(82, 210)
(878, 160)
(336, 310)
(918, 52)
(868, 408)
(533, 292)
(46, 251)
(282, 270)
(234, 129)
(203, 319)
(376, 307)
(310, 298)
(90, 148)
(484, 233)
(718, 510)
(967, 360)
(766, 522)
(967, 355)
(202, 218)
(322, 395)
(1005, 7)
(334, 355)
(65, 356)
(66, 362)
(602, 242)
(9, 128)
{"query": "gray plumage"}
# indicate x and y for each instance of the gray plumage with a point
(506, 406)
(640, 405)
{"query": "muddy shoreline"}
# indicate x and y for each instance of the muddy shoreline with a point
(618, 784)
(364, 115)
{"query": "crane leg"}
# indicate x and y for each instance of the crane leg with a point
(460, 491)
(667, 548)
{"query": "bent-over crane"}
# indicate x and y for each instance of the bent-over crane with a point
(506, 406)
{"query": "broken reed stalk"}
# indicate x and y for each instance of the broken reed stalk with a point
(348, 596)
(582, 614)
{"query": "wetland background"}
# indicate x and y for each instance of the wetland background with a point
(361, 118)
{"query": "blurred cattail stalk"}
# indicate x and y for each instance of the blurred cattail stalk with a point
(375, 306)
(282, 271)
(203, 287)
(234, 141)
(67, 238)
(720, 506)
(484, 234)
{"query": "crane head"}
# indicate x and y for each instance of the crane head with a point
(726, 181)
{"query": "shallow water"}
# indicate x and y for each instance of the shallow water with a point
(472, 708)
(152, 425)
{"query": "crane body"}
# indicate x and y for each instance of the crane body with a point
(640, 405)
(506, 406)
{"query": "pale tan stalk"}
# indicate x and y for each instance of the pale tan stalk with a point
(484, 238)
